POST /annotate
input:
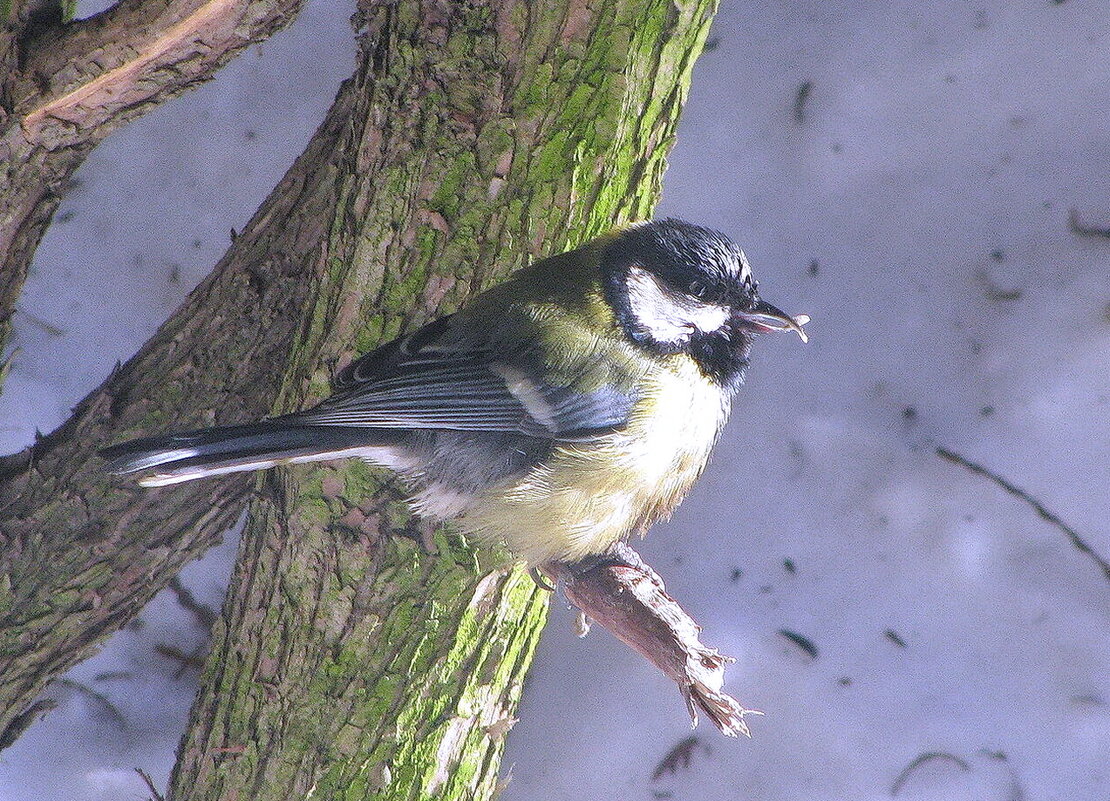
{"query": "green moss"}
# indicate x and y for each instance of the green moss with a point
(361, 481)
(449, 195)
(313, 512)
(384, 635)
(494, 140)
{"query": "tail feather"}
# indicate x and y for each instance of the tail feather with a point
(214, 451)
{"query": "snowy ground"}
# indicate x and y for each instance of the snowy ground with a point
(919, 213)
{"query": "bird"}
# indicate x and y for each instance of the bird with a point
(559, 413)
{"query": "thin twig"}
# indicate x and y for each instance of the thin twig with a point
(203, 613)
(1038, 507)
(103, 701)
(195, 660)
(150, 785)
(38, 322)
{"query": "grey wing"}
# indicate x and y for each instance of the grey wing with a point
(433, 379)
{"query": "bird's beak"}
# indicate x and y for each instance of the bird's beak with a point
(765, 317)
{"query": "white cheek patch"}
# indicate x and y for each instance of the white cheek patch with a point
(708, 317)
(666, 316)
(654, 309)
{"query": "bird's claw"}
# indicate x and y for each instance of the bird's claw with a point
(540, 579)
(619, 555)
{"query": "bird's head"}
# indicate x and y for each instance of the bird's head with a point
(681, 288)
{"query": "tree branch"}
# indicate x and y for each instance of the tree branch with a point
(1037, 506)
(80, 555)
(84, 77)
(64, 87)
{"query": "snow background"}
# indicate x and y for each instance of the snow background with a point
(919, 214)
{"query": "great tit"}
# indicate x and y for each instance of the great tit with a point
(559, 412)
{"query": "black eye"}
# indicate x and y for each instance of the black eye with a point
(699, 289)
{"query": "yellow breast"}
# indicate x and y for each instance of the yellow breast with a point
(591, 494)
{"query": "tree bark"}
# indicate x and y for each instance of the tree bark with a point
(355, 663)
(472, 138)
(64, 86)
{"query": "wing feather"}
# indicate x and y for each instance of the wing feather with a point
(436, 379)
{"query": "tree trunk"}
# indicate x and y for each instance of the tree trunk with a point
(354, 663)
(65, 86)
(473, 138)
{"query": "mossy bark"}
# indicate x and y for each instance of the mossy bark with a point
(363, 654)
(356, 663)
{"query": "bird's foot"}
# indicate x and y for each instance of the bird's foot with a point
(619, 555)
(540, 578)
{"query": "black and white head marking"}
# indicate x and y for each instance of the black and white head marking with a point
(676, 288)
(667, 317)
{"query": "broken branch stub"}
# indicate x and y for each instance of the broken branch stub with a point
(631, 603)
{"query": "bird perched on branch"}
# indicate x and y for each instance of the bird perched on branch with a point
(559, 413)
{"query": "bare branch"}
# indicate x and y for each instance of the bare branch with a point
(79, 555)
(64, 87)
(204, 614)
(149, 782)
(900, 781)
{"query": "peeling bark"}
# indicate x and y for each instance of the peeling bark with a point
(630, 602)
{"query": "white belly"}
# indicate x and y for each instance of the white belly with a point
(591, 494)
